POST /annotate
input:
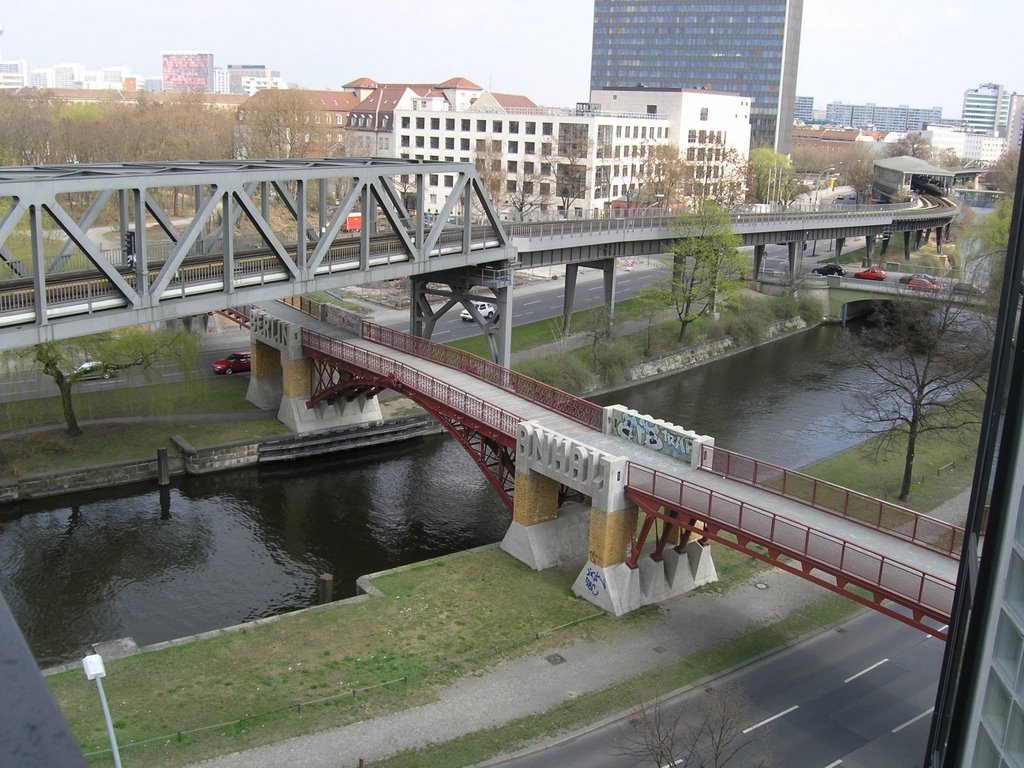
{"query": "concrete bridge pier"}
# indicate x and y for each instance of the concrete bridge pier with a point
(906, 245)
(282, 376)
(793, 251)
(607, 267)
(758, 259)
(840, 242)
(869, 245)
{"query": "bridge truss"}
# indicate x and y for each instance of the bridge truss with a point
(120, 244)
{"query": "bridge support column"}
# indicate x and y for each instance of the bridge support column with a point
(542, 535)
(869, 245)
(938, 239)
(917, 238)
(758, 260)
(572, 272)
(793, 252)
(906, 245)
(265, 380)
(840, 242)
(608, 269)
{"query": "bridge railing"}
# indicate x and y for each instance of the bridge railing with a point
(836, 555)
(575, 408)
(879, 514)
(476, 408)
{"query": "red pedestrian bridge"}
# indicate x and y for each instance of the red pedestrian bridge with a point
(657, 492)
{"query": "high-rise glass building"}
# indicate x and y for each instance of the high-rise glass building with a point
(749, 48)
(986, 108)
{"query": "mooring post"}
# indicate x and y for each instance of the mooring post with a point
(325, 588)
(163, 467)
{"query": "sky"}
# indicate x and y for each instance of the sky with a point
(851, 51)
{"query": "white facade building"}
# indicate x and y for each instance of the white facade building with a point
(984, 148)
(985, 108)
(533, 159)
(13, 73)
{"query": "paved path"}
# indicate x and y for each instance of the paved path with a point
(531, 685)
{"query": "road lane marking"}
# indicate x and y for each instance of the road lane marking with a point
(943, 628)
(910, 722)
(773, 717)
(865, 671)
(528, 303)
(833, 765)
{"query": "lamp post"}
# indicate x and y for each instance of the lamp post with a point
(817, 184)
(93, 666)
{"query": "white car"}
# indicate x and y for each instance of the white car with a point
(485, 308)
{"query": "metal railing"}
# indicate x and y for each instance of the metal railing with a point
(396, 372)
(576, 408)
(904, 583)
(936, 535)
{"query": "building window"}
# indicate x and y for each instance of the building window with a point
(420, 123)
(435, 123)
(496, 164)
(510, 185)
(545, 149)
(531, 128)
(449, 180)
(545, 189)
(433, 179)
(465, 124)
(449, 142)
(618, 131)
(496, 146)
(464, 145)
(691, 136)
(545, 169)
(449, 124)
(527, 187)
(548, 129)
(513, 126)
(405, 122)
(481, 145)
(513, 147)
(435, 143)
(531, 148)
(496, 126)
(528, 167)
(652, 109)
(481, 126)
(513, 166)
(405, 140)
(703, 113)
(419, 141)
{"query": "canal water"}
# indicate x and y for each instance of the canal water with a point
(222, 549)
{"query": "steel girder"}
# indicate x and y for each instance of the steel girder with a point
(160, 257)
(493, 450)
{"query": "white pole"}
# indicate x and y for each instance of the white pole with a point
(110, 725)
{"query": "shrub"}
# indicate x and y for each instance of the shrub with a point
(615, 359)
(563, 371)
(783, 307)
(809, 310)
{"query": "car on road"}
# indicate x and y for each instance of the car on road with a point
(485, 308)
(920, 284)
(829, 269)
(871, 273)
(906, 279)
(92, 370)
(236, 362)
(967, 289)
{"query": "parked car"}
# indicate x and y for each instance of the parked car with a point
(485, 308)
(93, 369)
(967, 289)
(918, 276)
(871, 273)
(829, 269)
(920, 284)
(236, 362)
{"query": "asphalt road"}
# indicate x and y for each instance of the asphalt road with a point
(859, 696)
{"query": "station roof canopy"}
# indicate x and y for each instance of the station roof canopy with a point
(913, 165)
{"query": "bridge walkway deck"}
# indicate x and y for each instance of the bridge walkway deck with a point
(894, 548)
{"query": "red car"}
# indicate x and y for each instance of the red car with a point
(236, 362)
(923, 285)
(871, 273)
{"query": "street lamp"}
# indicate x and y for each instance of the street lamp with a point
(817, 184)
(93, 666)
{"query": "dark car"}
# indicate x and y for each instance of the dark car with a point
(236, 362)
(92, 370)
(829, 269)
(967, 289)
(871, 273)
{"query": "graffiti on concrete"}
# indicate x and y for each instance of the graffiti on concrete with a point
(658, 435)
(594, 581)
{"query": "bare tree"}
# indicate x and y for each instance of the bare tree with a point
(706, 734)
(1003, 175)
(524, 193)
(281, 123)
(930, 360)
(569, 163)
(913, 144)
(665, 175)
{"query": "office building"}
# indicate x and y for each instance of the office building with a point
(881, 118)
(13, 74)
(986, 108)
(803, 109)
(188, 71)
(746, 48)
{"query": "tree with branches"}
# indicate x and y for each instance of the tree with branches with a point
(930, 360)
(913, 144)
(706, 734)
(130, 348)
(569, 163)
(707, 269)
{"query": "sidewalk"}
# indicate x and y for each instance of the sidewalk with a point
(533, 685)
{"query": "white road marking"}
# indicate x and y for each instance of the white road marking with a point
(833, 765)
(865, 671)
(773, 717)
(910, 722)
(943, 628)
(528, 303)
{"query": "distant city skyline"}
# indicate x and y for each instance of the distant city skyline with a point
(867, 52)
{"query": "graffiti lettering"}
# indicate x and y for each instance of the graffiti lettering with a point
(593, 580)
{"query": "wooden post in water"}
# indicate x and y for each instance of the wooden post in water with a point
(163, 467)
(325, 588)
